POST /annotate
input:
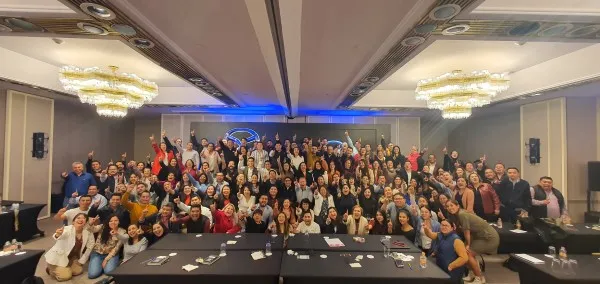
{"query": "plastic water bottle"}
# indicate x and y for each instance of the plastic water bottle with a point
(562, 253)
(223, 250)
(423, 260)
(386, 248)
(268, 249)
(500, 223)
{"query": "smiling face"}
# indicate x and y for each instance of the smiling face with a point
(79, 221)
(307, 218)
(281, 218)
(113, 223)
(461, 183)
(195, 200)
(356, 212)
(332, 213)
(403, 218)
(229, 210)
(132, 231)
(452, 208)
(158, 230)
(446, 227)
(425, 213)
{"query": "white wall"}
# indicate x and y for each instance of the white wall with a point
(26, 114)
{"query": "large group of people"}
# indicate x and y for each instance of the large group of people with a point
(286, 186)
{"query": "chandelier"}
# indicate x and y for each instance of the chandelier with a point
(456, 93)
(112, 93)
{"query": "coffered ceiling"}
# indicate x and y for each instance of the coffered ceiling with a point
(298, 57)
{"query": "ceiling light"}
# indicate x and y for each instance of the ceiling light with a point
(112, 93)
(555, 30)
(535, 95)
(457, 29)
(92, 28)
(141, 42)
(355, 94)
(124, 29)
(456, 92)
(583, 31)
(196, 79)
(97, 11)
(4, 28)
(425, 28)
(444, 12)
(366, 84)
(524, 29)
(218, 94)
(412, 41)
(201, 84)
(372, 79)
(24, 25)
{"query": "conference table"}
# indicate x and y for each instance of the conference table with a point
(326, 267)
(213, 242)
(16, 268)
(582, 238)
(235, 268)
(511, 242)
(28, 215)
(586, 271)
(372, 243)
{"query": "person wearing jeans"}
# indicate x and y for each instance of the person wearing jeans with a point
(105, 256)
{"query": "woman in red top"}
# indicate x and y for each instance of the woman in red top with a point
(162, 154)
(226, 220)
(487, 203)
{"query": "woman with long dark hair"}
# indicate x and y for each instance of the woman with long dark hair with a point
(450, 251)
(379, 224)
(136, 242)
(403, 226)
(105, 256)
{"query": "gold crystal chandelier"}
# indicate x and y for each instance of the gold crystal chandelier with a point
(112, 93)
(456, 93)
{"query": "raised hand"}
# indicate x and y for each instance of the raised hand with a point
(151, 137)
(294, 137)
(113, 232)
(445, 150)
(91, 154)
(148, 157)
(64, 174)
(389, 226)
(192, 132)
(97, 203)
(173, 219)
(124, 156)
(382, 136)
(346, 215)
(277, 136)
(59, 231)
(176, 200)
(163, 133)
(75, 194)
(346, 133)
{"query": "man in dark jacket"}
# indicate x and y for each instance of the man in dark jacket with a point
(114, 208)
(547, 201)
(514, 196)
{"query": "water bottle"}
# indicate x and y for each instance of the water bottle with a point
(423, 260)
(386, 247)
(268, 249)
(562, 253)
(500, 223)
(223, 250)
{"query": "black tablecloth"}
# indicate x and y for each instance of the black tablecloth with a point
(28, 214)
(237, 267)
(529, 273)
(336, 269)
(16, 268)
(582, 239)
(214, 241)
(511, 242)
(372, 243)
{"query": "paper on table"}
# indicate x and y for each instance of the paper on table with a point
(189, 267)
(334, 242)
(231, 242)
(518, 231)
(355, 265)
(257, 255)
(530, 258)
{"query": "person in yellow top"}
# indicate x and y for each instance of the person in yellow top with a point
(143, 208)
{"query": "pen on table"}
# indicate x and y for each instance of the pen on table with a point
(410, 266)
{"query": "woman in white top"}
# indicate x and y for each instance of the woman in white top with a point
(356, 223)
(136, 242)
(323, 200)
(246, 200)
(295, 158)
(72, 249)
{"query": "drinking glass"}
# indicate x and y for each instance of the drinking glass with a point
(552, 251)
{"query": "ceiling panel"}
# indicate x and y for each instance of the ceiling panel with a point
(338, 39)
(548, 7)
(40, 8)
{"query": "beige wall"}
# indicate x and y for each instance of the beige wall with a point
(496, 136)
(26, 114)
(582, 143)
(144, 127)
(2, 134)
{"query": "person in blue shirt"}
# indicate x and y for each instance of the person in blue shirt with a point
(76, 181)
(450, 251)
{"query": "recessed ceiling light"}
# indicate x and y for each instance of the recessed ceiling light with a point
(218, 94)
(583, 31)
(366, 84)
(457, 29)
(535, 95)
(201, 84)
(425, 28)
(444, 12)
(372, 79)
(355, 94)
(97, 11)
(141, 42)
(196, 79)
(92, 28)
(4, 29)
(412, 41)
(24, 25)
(124, 29)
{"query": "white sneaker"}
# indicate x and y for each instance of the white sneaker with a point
(478, 280)
(470, 277)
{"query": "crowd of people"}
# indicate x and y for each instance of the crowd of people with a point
(287, 186)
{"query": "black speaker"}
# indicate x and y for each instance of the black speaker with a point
(39, 148)
(594, 175)
(534, 151)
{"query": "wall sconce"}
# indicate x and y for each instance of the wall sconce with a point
(39, 145)
(533, 150)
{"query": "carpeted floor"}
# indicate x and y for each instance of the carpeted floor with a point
(495, 272)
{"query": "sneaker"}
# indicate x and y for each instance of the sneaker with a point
(470, 277)
(478, 280)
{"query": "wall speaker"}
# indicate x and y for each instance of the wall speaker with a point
(594, 175)
(534, 151)
(39, 145)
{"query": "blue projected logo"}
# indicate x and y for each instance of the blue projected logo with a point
(252, 135)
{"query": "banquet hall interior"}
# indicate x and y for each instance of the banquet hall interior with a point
(465, 86)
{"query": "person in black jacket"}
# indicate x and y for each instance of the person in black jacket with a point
(368, 203)
(451, 162)
(547, 201)
(514, 194)
(114, 208)
(165, 217)
(333, 224)
(255, 224)
(228, 150)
